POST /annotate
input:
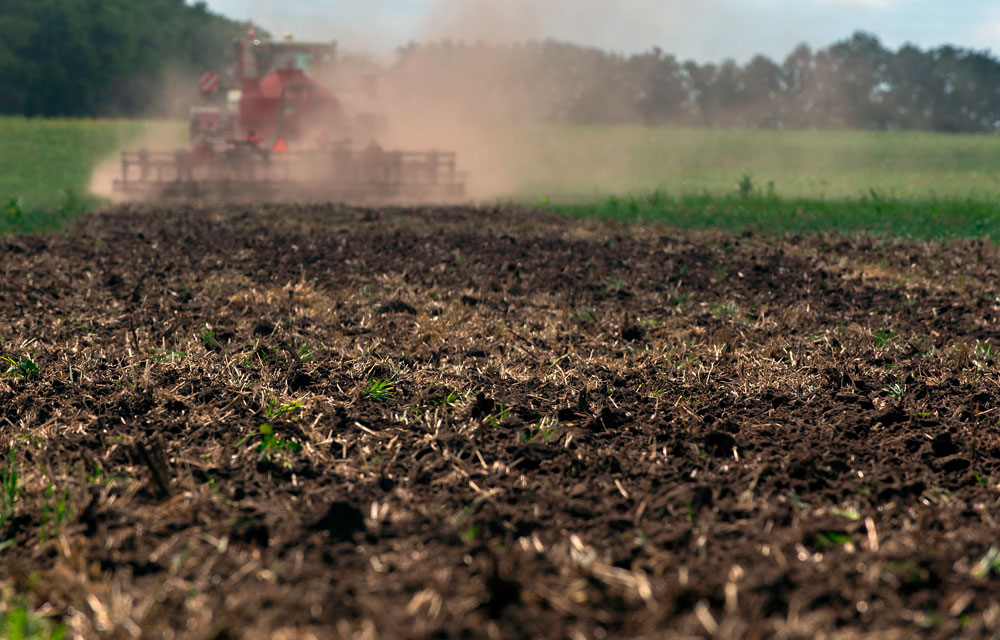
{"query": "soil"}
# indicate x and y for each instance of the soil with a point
(323, 421)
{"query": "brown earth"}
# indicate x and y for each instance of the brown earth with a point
(496, 423)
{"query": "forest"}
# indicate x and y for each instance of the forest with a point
(856, 83)
(104, 57)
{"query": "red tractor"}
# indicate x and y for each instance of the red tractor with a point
(283, 135)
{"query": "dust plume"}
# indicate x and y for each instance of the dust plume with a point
(503, 86)
(155, 134)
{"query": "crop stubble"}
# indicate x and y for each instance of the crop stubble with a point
(497, 423)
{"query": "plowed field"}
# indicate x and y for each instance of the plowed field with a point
(494, 423)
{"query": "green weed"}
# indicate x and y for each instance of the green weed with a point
(269, 446)
(897, 390)
(207, 337)
(307, 353)
(849, 513)
(167, 354)
(830, 538)
(18, 622)
(497, 418)
(540, 431)
(10, 488)
(23, 369)
(883, 338)
(55, 512)
(15, 210)
(288, 410)
(379, 390)
(988, 564)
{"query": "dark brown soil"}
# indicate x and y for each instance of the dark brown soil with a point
(494, 423)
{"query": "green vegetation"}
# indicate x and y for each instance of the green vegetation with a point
(288, 410)
(987, 565)
(922, 185)
(10, 489)
(378, 390)
(269, 446)
(18, 622)
(55, 512)
(931, 219)
(23, 369)
(83, 58)
(46, 166)
(663, 165)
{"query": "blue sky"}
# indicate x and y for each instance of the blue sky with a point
(700, 29)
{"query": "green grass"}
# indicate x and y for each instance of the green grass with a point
(921, 185)
(941, 219)
(573, 163)
(18, 622)
(47, 165)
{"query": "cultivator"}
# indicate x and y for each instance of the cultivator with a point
(271, 139)
(342, 174)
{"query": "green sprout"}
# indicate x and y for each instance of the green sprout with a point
(18, 622)
(15, 209)
(307, 353)
(543, 430)
(986, 351)
(471, 533)
(10, 488)
(207, 337)
(270, 447)
(379, 390)
(988, 564)
(453, 397)
(883, 338)
(274, 410)
(167, 354)
(500, 416)
(831, 538)
(23, 369)
(55, 512)
(897, 390)
(850, 513)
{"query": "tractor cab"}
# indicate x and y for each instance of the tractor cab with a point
(280, 99)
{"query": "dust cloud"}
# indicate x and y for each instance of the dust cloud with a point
(480, 83)
(166, 135)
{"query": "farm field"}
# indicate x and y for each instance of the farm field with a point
(920, 185)
(46, 165)
(324, 421)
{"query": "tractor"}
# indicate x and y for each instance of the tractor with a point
(279, 134)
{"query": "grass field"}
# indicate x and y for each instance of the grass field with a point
(912, 184)
(569, 163)
(46, 165)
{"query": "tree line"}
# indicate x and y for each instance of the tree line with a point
(117, 58)
(854, 83)
(104, 57)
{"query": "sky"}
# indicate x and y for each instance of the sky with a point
(703, 30)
